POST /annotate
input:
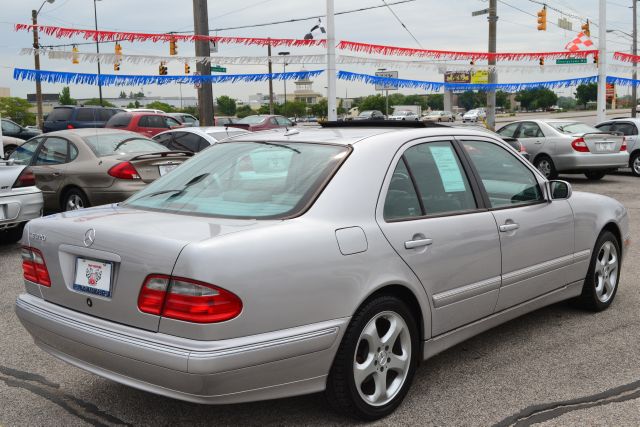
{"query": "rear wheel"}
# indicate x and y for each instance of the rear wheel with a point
(595, 175)
(545, 165)
(75, 199)
(634, 163)
(602, 280)
(12, 235)
(376, 361)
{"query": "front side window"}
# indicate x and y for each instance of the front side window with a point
(170, 122)
(255, 180)
(53, 152)
(283, 121)
(506, 180)
(10, 127)
(24, 153)
(152, 122)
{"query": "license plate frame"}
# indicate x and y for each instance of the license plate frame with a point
(165, 169)
(94, 277)
(605, 147)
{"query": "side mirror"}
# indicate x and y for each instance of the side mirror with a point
(559, 190)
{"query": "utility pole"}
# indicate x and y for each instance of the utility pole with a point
(36, 46)
(602, 61)
(270, 78)
(634, 49)
(493, 76)
(95, 17)
(205, 92)
(331, 63)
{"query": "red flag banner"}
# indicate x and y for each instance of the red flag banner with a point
(626, 57)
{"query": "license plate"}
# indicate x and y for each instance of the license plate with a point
(165, 169)
(604, 146)
(93, 277)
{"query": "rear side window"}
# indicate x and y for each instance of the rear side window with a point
(530, 130)
(152, 122)
(506, 180)
(87, 115)
(186, 141)
(53, 152)
(627, 129)
(116, 143)
(120, 120)
(402, 200)
(60, 114)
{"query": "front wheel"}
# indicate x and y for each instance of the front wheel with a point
(594, 175)
(546, 166)
(75, 199)
(634, 163)
(376, 361)
(602, 280)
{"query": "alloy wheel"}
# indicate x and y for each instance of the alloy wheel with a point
(545, 167)
(606, 271)
(382, 358)
(636, 165)
(74, 202)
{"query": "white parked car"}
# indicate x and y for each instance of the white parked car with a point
(20, 199)
(474, 115)
(404, 115)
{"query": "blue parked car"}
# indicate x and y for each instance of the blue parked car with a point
(72, 117)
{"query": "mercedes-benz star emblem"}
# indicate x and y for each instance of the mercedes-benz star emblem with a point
(89, 237)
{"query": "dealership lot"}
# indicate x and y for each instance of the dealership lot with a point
(557, 366)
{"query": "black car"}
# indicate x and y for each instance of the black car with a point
(370, 115)
(72, 117)
(13, 129)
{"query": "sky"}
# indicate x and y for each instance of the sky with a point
(436, 24)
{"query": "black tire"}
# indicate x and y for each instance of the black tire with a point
(73, 199)
(342, 392)
(589, 298)
(550, 171)
(634, 163)
(595, 175)
(12, 235)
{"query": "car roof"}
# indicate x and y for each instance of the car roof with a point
(623, 119)
(82, 132)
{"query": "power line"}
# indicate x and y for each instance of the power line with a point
(402, 23)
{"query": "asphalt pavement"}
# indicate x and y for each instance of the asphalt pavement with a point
(557, 366)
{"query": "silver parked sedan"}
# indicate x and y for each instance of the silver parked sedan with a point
(289, 262)
(630, 128)
(565, 146)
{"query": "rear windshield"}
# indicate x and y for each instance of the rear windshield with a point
(59, 114)
(125, 143)
(251, 120)
(219, 136)
(572, 127)
(120, 120)
(245, 180)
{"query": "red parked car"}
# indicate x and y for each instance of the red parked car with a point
(147, 124)
(262, 122)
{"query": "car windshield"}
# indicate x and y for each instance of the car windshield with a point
(257, 180)
(572, 127)
(115, 143)
(251, 120)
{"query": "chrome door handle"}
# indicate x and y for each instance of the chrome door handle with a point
(412, 244)
(55, 174)
(509, 227)
(538, 142)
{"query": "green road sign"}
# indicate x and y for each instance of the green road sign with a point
(218, 69)
(571, 61)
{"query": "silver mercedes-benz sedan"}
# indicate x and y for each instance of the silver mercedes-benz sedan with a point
(567, 146)
(288, 262)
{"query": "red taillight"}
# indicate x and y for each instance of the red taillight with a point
(580, 145)
(124, 170)
(188, 300)
(623, 147)
(25, 179)
(33, 267)
(69, 126)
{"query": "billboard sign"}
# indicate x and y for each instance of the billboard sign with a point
(457, 77)
(480, 77)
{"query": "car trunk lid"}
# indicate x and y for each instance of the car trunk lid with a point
(98, 258)
(602, 142)
(151, 166)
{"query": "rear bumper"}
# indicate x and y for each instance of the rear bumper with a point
(265, 366)
(587, 161)
(19, 208)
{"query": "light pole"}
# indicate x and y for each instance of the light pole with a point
(95, 17)
(386, 98)
(36, 46)
(284, 70)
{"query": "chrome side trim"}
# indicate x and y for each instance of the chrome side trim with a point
(464, 292)
(536, 270)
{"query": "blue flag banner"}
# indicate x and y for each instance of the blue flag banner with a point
(137, 80)
(621, 81)
(388, 81)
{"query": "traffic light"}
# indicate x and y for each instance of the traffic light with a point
(162, 69)
(74, 59)
(118, 49)
(116, 66)
(542, 19)
(541, 62)
(187, 68)
(173, 46)
(585, 29)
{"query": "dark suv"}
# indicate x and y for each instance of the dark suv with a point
(71, 117)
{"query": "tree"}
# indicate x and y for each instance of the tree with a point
(157, 105)
(17, 109)
(421, 100)
(123, 95)
(134, 104)
(586, 93)
(372, 102)
(535, 98)
(435, 101)
(244, 111)
(294, 108)
(226, 105)
(502, 99)
(96, 101)
(65, 97)
(190, 109)
(321, 109)
(468, 100)
(567, 103)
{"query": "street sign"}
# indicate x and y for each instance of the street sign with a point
(565, 24)
(571, 61)
(218, 69)
(390, 74)
(480, 77)
(480, 12)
